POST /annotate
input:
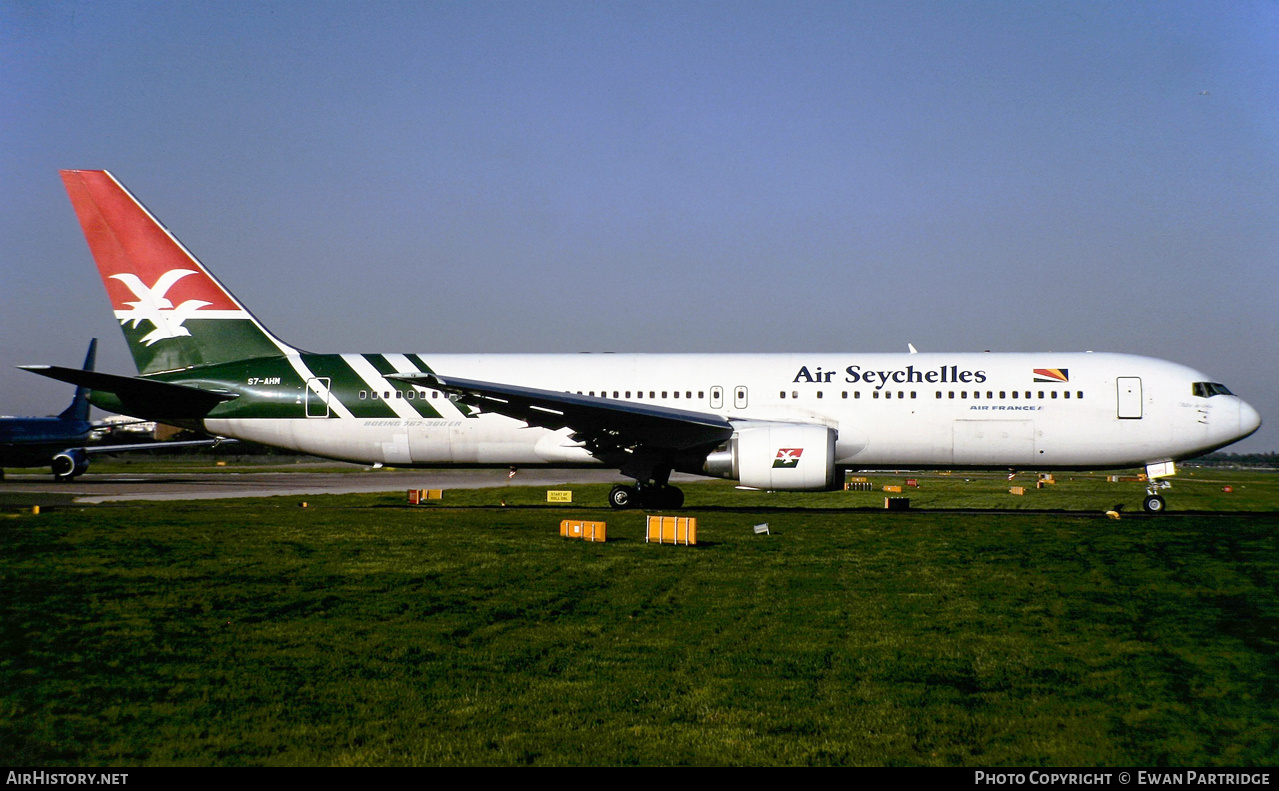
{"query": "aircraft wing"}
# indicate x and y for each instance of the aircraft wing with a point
(602, 424)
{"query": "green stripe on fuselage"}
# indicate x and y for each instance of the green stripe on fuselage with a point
(346, 386)
(272, 388)
(418, 400)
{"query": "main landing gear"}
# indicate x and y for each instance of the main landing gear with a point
(651, 496)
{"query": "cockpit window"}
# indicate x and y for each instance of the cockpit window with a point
(1210, 389)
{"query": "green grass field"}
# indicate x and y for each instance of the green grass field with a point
(363, 631)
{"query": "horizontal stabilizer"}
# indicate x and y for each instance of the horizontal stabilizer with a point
(140, 397)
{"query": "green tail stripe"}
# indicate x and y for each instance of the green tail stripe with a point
(211, 342)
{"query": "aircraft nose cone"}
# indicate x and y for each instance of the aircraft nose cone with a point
(1249, 419)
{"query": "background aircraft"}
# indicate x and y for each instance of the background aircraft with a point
(51, 441)
(63, 442)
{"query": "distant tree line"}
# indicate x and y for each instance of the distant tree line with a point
(1266, 460)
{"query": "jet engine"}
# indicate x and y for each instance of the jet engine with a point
(70, 463)
(778, 456)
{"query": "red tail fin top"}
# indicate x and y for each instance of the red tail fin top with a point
(142, 265)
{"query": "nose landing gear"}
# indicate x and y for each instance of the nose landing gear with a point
(1154, 502)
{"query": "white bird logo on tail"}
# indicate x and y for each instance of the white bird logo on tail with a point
(155, 307)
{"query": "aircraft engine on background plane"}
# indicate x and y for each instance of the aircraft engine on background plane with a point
(778, 456)
(70, 463)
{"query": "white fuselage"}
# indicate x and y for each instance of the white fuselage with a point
(1090, 410)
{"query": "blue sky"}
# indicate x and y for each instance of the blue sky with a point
(663, 176)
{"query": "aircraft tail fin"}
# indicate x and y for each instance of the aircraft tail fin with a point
(173, 312)
(79, 409)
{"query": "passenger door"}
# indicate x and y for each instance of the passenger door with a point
(1130, 407)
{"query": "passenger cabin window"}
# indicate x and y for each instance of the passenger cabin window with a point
(1209, 389)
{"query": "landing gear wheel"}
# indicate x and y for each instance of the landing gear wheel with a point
(622, 497)
(659, 497)
(1154, 504)
(669, 497)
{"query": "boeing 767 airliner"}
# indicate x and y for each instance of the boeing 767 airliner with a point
(769, 421)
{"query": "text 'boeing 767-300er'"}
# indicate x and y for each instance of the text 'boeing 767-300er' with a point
(769, 421)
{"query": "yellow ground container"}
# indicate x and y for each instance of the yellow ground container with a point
(671, 530)
(589, 531)
(1018, 490)
(433, 494)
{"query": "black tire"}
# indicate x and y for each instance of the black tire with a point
(672, 497)
(1154, 504)
(622, 497)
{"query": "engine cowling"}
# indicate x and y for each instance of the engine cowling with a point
(778, 456)
(69, 463)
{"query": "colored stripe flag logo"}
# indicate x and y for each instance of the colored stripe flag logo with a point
(787, 457)
(1052, 375)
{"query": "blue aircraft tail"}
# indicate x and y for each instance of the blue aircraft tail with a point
(79, 409)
